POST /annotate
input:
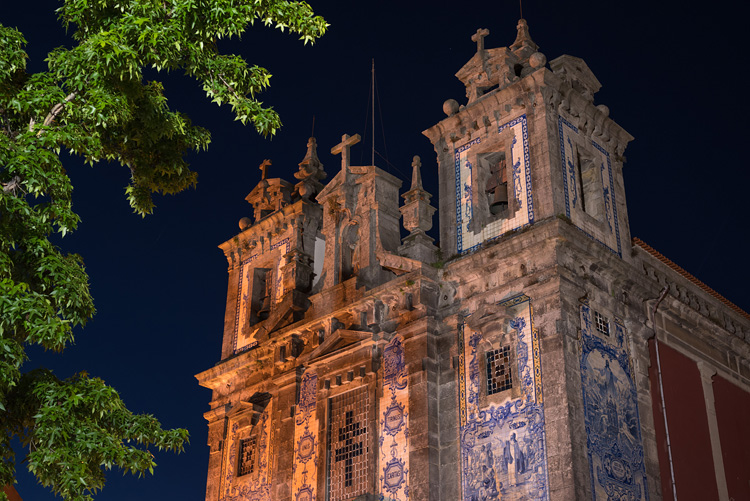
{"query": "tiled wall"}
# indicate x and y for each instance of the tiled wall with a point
(255, 486)
(305, 468)
(394, 425)
(503, 450)
(610, 398)
(244, 293)
(519, 187)
(606, 229)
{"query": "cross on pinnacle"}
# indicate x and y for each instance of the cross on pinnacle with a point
(263, 166)
(343, 147)
(478, 37)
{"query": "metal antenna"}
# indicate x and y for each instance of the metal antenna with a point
(520, 7)
(373, 111)
(312, 133)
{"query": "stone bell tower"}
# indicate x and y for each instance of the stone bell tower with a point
(534, 228)
(499, 157)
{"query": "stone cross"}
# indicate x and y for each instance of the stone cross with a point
(343, 148)
(263, 166)
(478, 37)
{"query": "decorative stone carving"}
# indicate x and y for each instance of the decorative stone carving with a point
(310, 172)
(417, 213)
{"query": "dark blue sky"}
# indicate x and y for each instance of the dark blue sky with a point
(673, 76)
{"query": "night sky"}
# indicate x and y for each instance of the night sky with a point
(674, 76)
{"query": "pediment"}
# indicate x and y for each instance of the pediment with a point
(341, 338)
(282, 315)
(330, 187)
(247, 412)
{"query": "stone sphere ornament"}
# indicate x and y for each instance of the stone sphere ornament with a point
(537, 60)
(450, 107)
(245, 223)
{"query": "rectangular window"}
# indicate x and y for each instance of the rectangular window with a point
(602, 323)
(498, 370)
(246, 456)
(348, 451)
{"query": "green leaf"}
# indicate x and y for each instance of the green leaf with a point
(94, 102)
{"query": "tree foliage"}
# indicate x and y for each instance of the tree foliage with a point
(93, 101)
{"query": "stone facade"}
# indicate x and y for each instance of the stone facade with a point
(518, 361)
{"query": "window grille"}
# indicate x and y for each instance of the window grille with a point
(602, 323)
(499, 376)
(247, 456)
(348, 451)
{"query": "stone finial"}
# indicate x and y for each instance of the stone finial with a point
(310, 171)
(343, 147)
(416, 175)
(478, 37)
(523, 44)
(417, 219)
(310, 166)
(263, 166)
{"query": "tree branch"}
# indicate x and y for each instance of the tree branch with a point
(56, 109)
(228, 86)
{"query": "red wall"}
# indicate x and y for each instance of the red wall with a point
(10, 491)
(733, 414)
(688, 427)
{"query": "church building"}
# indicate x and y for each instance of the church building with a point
(539, 352)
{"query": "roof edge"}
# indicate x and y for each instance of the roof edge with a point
(685, 274)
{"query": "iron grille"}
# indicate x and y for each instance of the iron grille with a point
(246, 456)
(602, 323)
(348, 451)
(499, 376)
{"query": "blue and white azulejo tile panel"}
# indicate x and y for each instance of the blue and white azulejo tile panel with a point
(610, 400)
(256, 485)
(306, 442)
(245, 341)
(394, 425)
(590, 203)
(503, 449)
(519, 186)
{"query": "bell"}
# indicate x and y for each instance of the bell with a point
(265, 308)
(265, 303)
(500, 199)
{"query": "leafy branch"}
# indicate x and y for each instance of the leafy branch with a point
(93, 101)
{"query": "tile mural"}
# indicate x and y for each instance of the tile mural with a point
(519, 187)
(573, 145)
(502, 444)
(610, 400)
(305, 467)
(255, 486)
(244, 342)
(394, 425)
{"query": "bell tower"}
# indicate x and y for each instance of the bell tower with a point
(529, 144)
